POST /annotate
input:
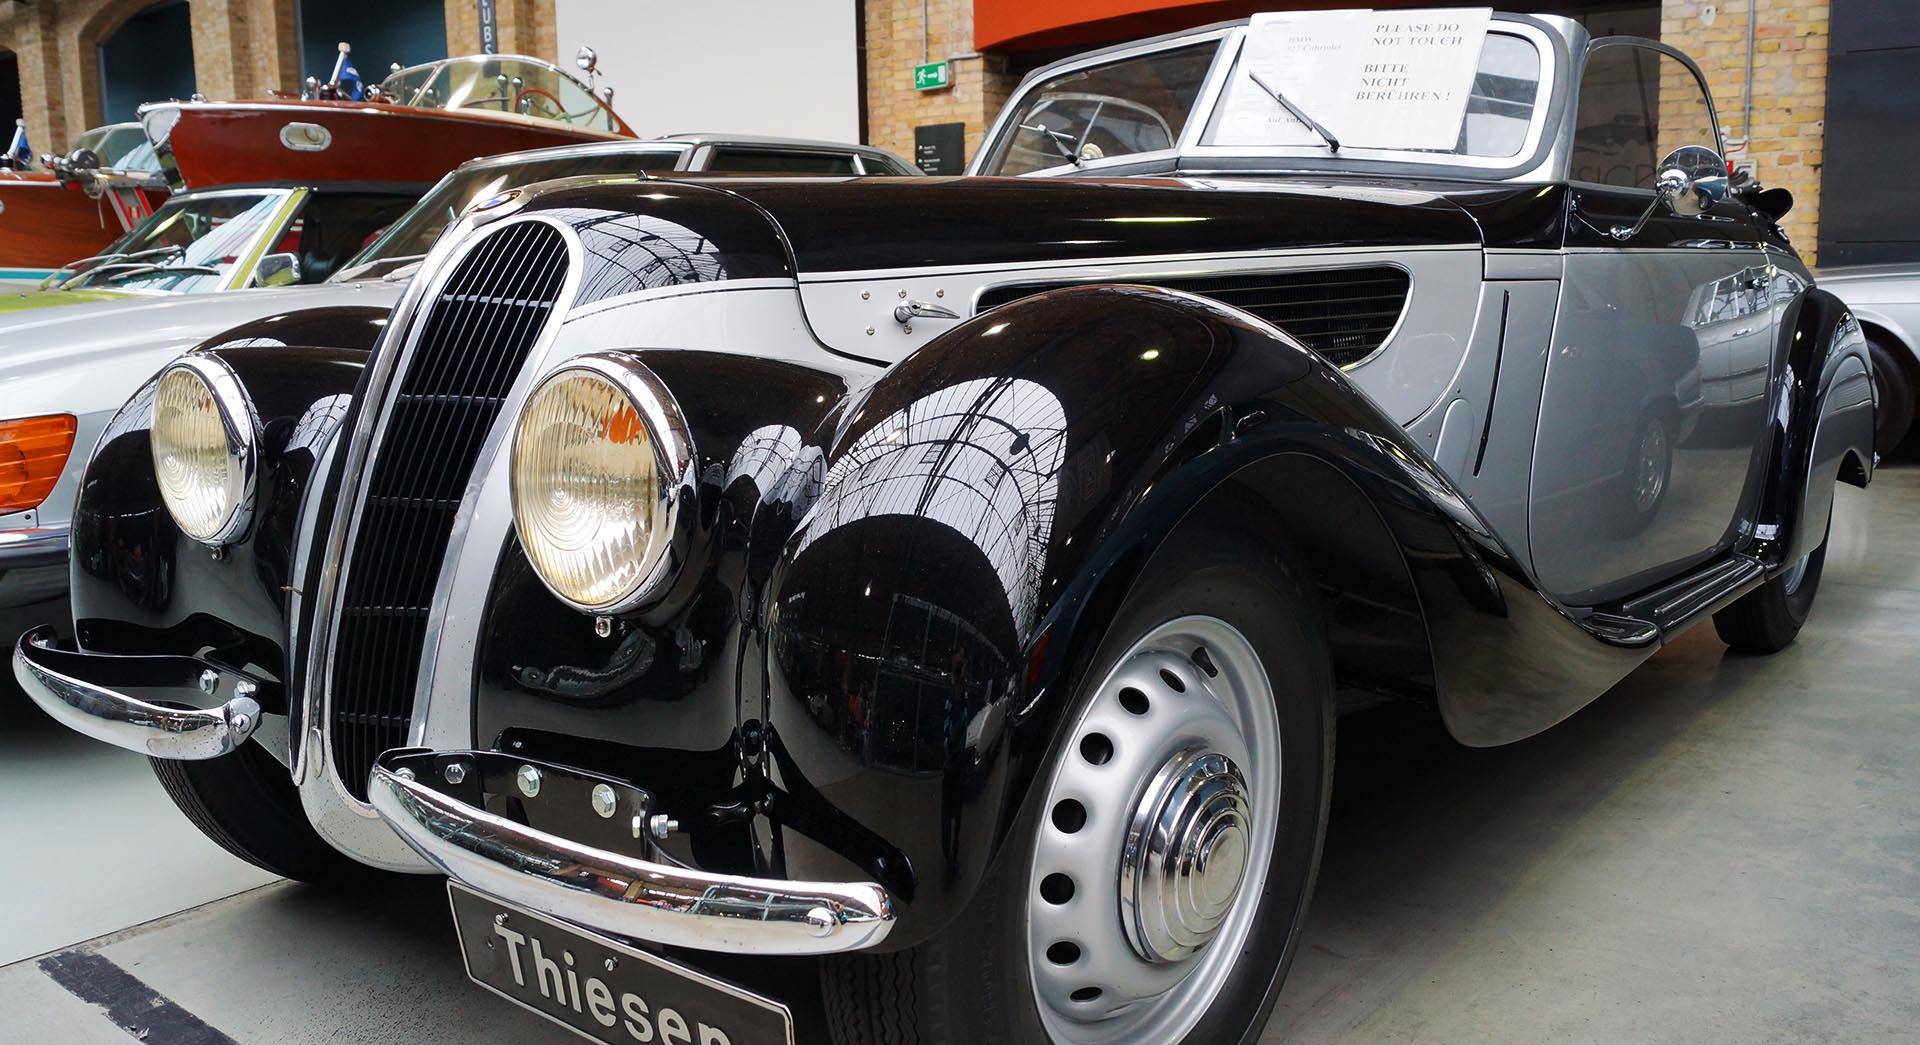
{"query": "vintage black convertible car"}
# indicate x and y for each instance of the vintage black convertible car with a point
(960, 579)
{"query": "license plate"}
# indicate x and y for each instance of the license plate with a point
(601, 989)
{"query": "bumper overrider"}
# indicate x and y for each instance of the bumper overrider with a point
(545, 837)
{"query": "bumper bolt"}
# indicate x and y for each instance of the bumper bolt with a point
(820, 922)
(209, 681)
(604, 800)
(455, 772)
(612, 964)
(529, 780)
(603, 626)
(663, 825)
(404, 773)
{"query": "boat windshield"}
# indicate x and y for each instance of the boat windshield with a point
(120, 146)
(1239, 96)
(501, 83)
(190, 244)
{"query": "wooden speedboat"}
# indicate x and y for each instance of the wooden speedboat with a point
(414, 127)
(55, 214)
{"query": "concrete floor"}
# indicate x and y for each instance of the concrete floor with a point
(1720, 849)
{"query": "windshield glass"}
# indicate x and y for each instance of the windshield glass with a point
(504, 84)
(120, 146)
(1130, 106)
(190, 244)
(1373, 86)
(1499, 107)
(412, 236)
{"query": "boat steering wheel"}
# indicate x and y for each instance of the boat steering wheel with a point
(520, 100)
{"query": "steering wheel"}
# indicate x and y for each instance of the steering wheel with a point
(519, 100)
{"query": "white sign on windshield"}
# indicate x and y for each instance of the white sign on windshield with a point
(1375, 79)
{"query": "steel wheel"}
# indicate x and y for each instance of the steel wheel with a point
(1650, 479)
(1155, 839)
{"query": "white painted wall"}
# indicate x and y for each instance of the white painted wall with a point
(782, 67)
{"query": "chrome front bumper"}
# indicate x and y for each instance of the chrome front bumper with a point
(439, 803)
(83, 691)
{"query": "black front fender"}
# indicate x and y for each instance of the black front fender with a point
(140, 586)
(1824, 431)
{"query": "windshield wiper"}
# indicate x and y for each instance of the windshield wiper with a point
(103, 261)
(1333, 143)
(134, 269)
(1060, 140)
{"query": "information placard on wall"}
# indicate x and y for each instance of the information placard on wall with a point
(1376, 79)
(940, 148)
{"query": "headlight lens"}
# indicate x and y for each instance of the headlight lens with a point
(597, 456)
(204, 444)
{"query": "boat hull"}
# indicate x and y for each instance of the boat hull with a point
(248, 143)
(44, 225)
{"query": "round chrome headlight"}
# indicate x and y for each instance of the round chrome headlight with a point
(205, 441)
(599, 455)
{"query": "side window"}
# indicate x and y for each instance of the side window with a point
(1636, 105)
(768, 161)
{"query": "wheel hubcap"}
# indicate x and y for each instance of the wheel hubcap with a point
(1159, 826)
(1185, 855)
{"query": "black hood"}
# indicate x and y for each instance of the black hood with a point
(882, 223)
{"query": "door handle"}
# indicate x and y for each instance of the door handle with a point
(906, 312)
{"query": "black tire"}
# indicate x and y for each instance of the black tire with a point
(1767, 619)
(971, 983)
(1893, 383)
(246, 802)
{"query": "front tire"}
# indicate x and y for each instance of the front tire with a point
(1044, 953)
(246, 802)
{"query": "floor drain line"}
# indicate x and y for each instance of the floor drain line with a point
(141, 1011)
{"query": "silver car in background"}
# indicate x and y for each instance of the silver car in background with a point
(1886, 301)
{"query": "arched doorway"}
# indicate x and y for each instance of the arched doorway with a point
(149, 57)
(382, 32)
(11, 108)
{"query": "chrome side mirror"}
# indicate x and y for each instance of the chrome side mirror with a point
(277, 270)
(1689, 182)
(588, 62)
(1692, 179)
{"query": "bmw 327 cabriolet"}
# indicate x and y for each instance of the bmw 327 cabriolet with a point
(959, 581)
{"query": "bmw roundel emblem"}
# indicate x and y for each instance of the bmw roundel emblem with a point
(494, 200)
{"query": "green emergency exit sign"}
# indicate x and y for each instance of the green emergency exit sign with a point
(932, 77)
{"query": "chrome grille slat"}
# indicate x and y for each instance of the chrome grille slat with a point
(474, 339)
(1343, 314)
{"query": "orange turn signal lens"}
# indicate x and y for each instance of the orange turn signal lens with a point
(32, 452)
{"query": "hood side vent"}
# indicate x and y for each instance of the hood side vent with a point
(1343, 314)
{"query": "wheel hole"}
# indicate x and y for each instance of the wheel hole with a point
(1063, 953)
(1086, 994)
(1173, 681)
(1204, 661)
(1056, 889)
(1133, 700)
(1096, 749)
(1069, 816)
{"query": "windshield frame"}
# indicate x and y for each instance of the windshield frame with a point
(1535, 161)
(435, 69)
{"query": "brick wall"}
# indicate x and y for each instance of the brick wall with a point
(1789, 90)
(894, 46)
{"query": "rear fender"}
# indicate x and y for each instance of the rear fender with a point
(1823, 430)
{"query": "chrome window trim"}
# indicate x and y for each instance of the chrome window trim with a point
(360, 832)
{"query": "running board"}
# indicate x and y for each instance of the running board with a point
(1673, 606)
